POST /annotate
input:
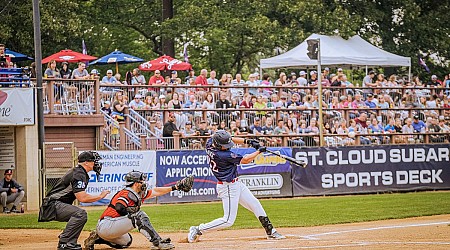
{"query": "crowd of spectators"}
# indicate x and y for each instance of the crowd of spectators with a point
(379, 107)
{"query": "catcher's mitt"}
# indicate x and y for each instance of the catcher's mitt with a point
(185, 184)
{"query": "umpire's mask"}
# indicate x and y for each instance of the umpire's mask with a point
(92, 156)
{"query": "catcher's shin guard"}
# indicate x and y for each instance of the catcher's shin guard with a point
(145, 227)
(265, 222)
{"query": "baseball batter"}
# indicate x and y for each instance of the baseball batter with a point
(224, 164)
(123, 214)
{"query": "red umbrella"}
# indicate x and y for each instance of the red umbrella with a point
(165, 63)
(70, 56)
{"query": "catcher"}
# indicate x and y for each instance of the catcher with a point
(123, 214)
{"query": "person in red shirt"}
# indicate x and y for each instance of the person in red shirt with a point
(123, 214)
(156, 79)
(4, 59)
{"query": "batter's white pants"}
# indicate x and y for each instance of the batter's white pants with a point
(233, 194)
(115, 230)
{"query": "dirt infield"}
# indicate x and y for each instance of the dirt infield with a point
(431, 232)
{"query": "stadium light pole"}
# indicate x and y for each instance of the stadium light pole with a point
(314, 53)
(40, 104)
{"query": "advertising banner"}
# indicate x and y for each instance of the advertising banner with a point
(268, 175)
(174, 165)
(16, 106)
(116, 164)
(372, 169)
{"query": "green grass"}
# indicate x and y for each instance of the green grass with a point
(297, 212)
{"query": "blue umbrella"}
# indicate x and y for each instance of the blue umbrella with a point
(16, 56)
(117, 57)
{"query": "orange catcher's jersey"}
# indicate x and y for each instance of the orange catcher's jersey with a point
(128, 198)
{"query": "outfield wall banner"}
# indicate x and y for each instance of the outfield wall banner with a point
(268, 175)
(173, 165)
(116, 164)
(371, 169)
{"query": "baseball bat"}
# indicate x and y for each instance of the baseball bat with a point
(289, 159)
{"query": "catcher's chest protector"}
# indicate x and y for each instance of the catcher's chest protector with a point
(126, 197)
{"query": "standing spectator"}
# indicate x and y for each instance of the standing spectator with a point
(80, 72)
(11, 192)
(52, 71)
(313, 79)
(251, 82)
(65, 72)
(137, 78)
(119, 106)
(302, 80)
(434, 82)
(368, 84)
(156, 79)
(173, 77)
(95, 74)
(190, 76)
(58, 202)
(4, 59)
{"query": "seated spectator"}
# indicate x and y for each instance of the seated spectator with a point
(137, 102)
(80, 72)
(242, 125)
(256, 128)
(251, 82)
(109, 78)
(169, 126)
(65, 72)
(435, 128)
(418, 125)
(370, 101)
(10, 192)
(95, 74)
(408, 129)
(434, 82)
(119, 106)
(258, 105)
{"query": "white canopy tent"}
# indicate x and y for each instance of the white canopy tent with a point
(336, 51)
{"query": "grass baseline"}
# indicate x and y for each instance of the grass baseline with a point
(292, 212)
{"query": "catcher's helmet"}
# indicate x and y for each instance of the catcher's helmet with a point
(134, 176)
(222, 139)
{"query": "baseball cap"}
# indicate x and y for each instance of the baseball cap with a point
(369, 95)
(8, 171)
(257, 119)
(94, 71)
(109, 71)
(162, 97)
(293, 74)
(108, 102)
(340, 69)
(174, 72)
(327, 69)
(86, 156)
(188, 123)
(416, 117)
(138, 96)
(302, 73)
(312, 72)
(433, 77)
(371, 72)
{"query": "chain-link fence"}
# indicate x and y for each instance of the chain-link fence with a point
(59, 158)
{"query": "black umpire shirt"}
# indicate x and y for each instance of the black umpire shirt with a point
(74, 181)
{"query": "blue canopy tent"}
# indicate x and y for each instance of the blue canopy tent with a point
(117, 57)
(16, 56)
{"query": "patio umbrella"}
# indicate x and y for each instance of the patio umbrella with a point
(16, 56)
(117, 57)
(165, 63)
(68, 55)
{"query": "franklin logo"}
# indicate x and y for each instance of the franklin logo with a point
(3, 97)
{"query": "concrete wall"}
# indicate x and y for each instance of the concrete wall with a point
(27, 164)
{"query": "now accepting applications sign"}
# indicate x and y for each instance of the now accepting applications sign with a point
(16, 106)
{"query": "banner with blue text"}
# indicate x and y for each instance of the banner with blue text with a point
(173, 165)
(371, 169)
(116, 164)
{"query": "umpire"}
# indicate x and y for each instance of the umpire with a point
(58, 203)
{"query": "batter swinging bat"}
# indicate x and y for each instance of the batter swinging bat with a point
(289, 159)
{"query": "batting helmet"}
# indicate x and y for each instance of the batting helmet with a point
(222, 139)
(135, 176)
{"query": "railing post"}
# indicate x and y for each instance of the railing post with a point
(143, 139)
(51, 98)
(176, 139)
(357, 140)
(96, 96)
(122, 137)
(126, 112)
